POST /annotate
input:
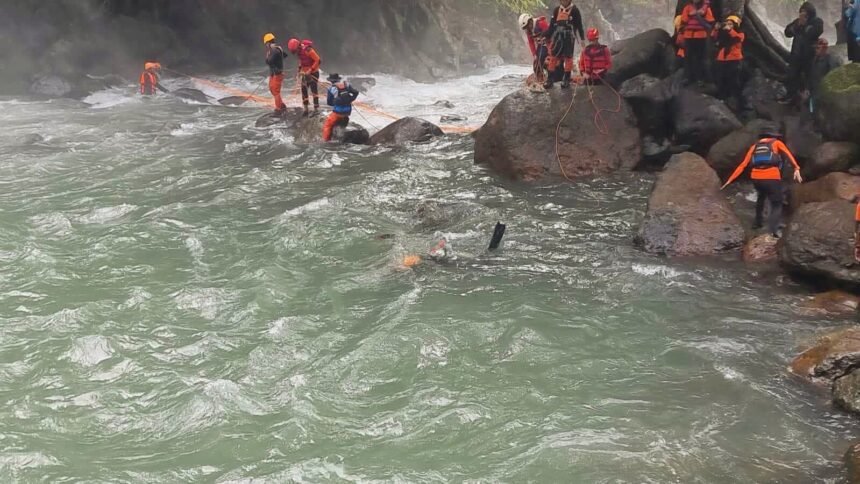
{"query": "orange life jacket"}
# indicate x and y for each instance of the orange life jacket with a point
(735, 51)
(564, 14)
(694, 28)
(148, 81)
(595, 59)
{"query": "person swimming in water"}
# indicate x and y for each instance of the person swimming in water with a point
(441, 254)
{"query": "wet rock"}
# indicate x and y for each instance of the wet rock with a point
(701, 120)
(309, 130)
(519, 140)
(650, 52)
(51, 86)
(655, 153)
(406, 130)
(837, 110)
(352, 134)
(833, 356)
(801, 138)
(835, 186)
(818, 245)
(191, 95)
(270, 119)
(833, 303)
(846, 392)
(452, 118)
(727, 153)
(761, 94)
(687, 215)
(444, 104)
(233, 100)
(852, 464)
(760, 249)
(832, 157)
(491, 61)
(30, 139)
(650, 97)
(363, 84)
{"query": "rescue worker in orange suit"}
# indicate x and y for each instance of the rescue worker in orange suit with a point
(697, 21)
(149, 79)
(340, 97)
(536, 29)
(309, 70)
(275, 60)
(566, 21)
(767, 157)
(730, 56)
(595, 59)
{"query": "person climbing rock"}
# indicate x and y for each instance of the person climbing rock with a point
(822, 64)
(566, 21)
(767, 157)
(852, 29)
(340, 96)
(595, 59)
(275, 60)
(309, 71)
(149, 79)
(730, 54)
(697, 21)
(536, 29)
(805, 31)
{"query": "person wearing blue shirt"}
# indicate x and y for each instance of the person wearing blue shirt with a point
(340, 97)
(852, 28)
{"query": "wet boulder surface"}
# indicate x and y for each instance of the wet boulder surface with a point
(406, 130)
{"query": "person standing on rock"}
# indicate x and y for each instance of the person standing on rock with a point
(805, 31)
(309, 71)
(149, 79)
(697, 22)
(536, 29)
(340, 96)
(595, 59)
(852, 29)
(767, 157)
(566, 21)
(730, 56)
(822, 64)
(275, 60)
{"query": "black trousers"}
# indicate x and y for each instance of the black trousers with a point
(312, 83)
(853, 50)
(798, 76)
(729, 79)
(772, 191)
(695, 60)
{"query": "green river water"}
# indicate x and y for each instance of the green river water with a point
(185, 298)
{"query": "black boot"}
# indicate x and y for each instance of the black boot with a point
(306, 113)
(565, 82)
(548, 84)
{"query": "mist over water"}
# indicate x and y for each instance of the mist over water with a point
(188, 298)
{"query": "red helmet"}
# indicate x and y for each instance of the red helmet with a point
(293, 45)
(592, 34)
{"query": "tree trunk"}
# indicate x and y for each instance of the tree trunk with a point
(761, 49)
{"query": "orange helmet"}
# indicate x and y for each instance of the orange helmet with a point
(293, 45)
(411, 261)
(592, 34)
(151, 66)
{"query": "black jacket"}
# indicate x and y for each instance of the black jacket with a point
(805, 36)
(275, 59)
(575, 22)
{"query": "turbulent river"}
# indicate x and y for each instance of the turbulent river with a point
(185, 297)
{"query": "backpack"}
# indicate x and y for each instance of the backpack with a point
(764, 155)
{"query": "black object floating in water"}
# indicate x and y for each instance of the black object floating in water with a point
(497, 236)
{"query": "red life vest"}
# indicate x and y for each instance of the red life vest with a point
(148, 81)
(541, 26)
(305, 59)
(595, 59)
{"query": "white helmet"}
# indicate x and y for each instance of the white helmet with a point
(524, 20)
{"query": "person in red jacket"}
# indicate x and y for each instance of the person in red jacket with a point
(767, 157)
(149, 79)
(309, 70)
(730, 55)
(536, 29)
(697, 21)
(595, 59)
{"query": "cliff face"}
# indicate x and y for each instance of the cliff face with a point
(422, 39)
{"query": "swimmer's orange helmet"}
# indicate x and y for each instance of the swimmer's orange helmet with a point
(411, 261)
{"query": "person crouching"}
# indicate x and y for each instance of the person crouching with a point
(340, 97)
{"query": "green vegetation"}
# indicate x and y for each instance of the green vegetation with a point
(522, 6)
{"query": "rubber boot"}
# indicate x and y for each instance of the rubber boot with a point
(565, 82)
(307, 112)
(548, 84)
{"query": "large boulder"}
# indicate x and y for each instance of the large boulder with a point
(801, 138)
(831, 157)
(687, 215)
(835, 186)
(727, 153)
(701, 120)
(852, 464)
(761, 93)
(650, 97)
(406, 130)
(818, 245)
(51, 86)
(520, 138)
(650, 52)
(837, 110)
(833, 356)
(846, 392)
(836, 302)
(195, 95)
(309, 130)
